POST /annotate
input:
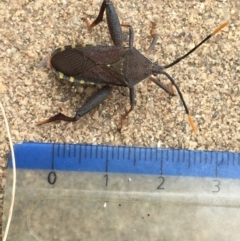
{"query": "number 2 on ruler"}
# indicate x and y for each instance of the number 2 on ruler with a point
(162, 182)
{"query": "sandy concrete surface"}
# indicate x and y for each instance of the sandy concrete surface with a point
(209, 78)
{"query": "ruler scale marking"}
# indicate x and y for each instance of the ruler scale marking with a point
(79, 154)
(107, 158)
(52, 156)
(97, 151)
(235, 159)
(134, 157)
(145, 151)
(200, 159)
(90, 151)
(184, 157)
(64, 149)
(112, 152)
(128, 160)
(58, 149)
(160, 158)
(216, 167)
(74, 151)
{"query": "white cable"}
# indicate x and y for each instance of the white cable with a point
(14, 175)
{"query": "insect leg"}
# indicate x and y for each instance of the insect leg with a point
(89, 105)
(154, 40)
(132, 103)
(98, 19)
(112, 20)
(131, 34)
(167, 89)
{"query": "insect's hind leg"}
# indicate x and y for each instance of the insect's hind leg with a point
(97, 98)
(112, 21)
(99, 17)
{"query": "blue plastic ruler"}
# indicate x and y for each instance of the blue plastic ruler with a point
(97, 192)
(122, 159)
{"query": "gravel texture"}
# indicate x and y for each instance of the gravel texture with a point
(209, 78)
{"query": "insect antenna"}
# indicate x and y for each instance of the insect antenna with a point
(198, 45)
(183, 101)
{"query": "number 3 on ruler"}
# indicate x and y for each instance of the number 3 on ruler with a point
(217, 186)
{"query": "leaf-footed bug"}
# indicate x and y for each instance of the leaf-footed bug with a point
(112, 66)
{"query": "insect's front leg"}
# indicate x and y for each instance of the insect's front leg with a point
(89, 105)
(166, 88)
(112, 20)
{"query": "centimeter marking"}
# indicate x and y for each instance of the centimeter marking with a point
(123, 159)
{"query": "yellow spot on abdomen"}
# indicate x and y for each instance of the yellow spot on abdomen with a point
(81, 81)
(62, 48)
(71, 79)
(60, 75)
